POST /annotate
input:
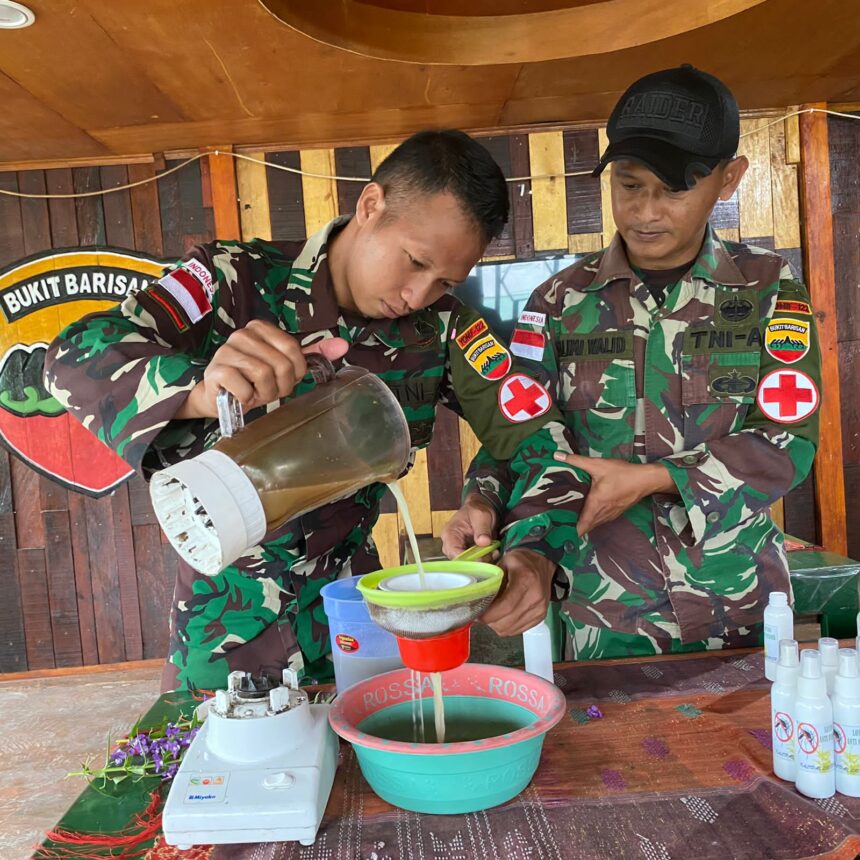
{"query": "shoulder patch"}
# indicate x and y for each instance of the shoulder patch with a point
(532, 318)
(477, 328)
(188, 292)
(487, 357)
(201, 273)
(792, 306)
(522, 398)
(528, 344)
(787, 396)
(169, 306)
(787, 340)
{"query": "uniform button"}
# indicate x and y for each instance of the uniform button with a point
(691, 459)
(712, 517)
(537, 531)
(570, 546)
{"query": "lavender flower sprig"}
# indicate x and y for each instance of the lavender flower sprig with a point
(154, 752)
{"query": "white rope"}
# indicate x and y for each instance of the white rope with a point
(363, 179)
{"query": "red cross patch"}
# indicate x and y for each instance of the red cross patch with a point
(787, 396)
(521, 398)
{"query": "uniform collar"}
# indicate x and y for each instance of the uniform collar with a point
(311, 291)
(713, 264)
(310, 288)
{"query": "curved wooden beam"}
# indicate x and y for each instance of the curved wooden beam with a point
(483, 40)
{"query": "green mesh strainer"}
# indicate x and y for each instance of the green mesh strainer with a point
(457, 592)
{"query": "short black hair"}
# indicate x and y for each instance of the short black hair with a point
(449, 160)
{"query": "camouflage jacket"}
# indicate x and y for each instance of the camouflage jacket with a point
(721, 384)
(124, 373)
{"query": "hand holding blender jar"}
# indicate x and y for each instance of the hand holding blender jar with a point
(347, 432)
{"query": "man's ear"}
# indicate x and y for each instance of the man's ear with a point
(370, 204)
(733, 172)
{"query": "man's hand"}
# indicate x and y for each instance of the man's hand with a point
(524, 597)
(258, 364)
(616, 485)
(473, 525)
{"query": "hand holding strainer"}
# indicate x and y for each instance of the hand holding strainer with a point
(432, 622)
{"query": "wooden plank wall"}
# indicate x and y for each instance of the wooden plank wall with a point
(818, 248)
(90, 581)
(845, 202)
(85, 581)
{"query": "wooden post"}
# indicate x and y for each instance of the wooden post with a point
(225, 198)
(821, 279)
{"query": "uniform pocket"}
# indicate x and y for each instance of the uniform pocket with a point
(596, 370)
(599, 398)
(722, 377)
(598, 384)
(717, 390)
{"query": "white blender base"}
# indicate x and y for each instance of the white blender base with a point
(263, 801)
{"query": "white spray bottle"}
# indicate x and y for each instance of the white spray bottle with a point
(829, 648)
(846, 724)
(782, 696)
(537, 651)
(813, 720)
(778, 625)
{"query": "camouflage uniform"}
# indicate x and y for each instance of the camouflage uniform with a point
(124, 373)
(721, 385)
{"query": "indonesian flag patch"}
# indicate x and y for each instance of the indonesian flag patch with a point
(787, 396)
(521, 398)
(190, 286)
(528, 344)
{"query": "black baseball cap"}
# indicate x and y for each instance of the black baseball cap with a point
(680, 123)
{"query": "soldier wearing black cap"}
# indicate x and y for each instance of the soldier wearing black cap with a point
(680, 124)
(688, 373)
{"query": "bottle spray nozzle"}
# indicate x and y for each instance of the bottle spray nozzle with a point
(848, 663)
(829, 649)
(788, 653)
(788, 667)
(810, 664)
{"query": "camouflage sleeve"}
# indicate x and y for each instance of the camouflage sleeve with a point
(546, 496)
(542, 497)
(724, 481)
(490, 478)
(123, 373)
(499, 399)
(538, 501)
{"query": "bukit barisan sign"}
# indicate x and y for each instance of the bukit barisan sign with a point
(39, 297)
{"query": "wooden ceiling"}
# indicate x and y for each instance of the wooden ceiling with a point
(94, 79)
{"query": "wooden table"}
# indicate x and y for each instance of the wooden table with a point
(678, 767)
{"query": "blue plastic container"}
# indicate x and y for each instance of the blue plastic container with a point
(360, 649)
